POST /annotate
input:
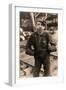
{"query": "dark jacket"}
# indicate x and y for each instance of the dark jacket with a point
(38, 44)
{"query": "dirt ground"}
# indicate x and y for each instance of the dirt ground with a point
(27, 64)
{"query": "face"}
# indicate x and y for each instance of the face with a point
(39, 27)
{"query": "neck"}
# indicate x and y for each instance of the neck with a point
(40, 33)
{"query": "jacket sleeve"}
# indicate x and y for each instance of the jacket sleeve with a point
(30, 46)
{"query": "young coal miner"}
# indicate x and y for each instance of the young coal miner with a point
(38, 45)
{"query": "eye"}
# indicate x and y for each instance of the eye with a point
(38, 24)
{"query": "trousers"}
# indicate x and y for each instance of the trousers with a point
(38, 63)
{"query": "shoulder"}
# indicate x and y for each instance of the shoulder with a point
(46, 32)
(34, 34)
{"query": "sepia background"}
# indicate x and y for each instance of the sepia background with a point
(27, 27)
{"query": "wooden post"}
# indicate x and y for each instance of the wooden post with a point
(46, 22)
(33, 20)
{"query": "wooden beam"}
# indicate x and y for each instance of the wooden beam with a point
(33, 20)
